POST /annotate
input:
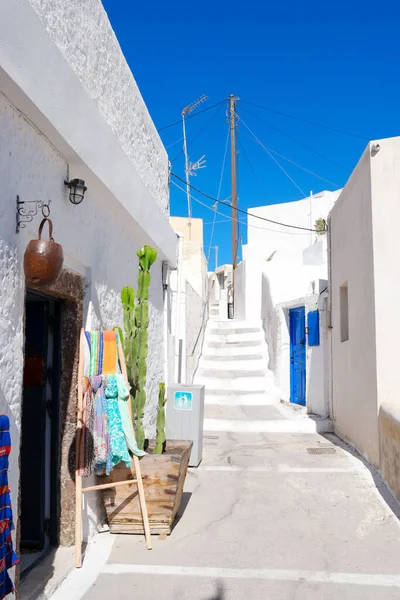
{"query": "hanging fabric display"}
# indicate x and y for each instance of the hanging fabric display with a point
(105, 435)
(107, 432)
(8, 558)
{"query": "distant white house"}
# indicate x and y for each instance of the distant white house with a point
(281, 280)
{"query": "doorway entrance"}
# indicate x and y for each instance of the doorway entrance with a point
(40, 429)
(297, 355)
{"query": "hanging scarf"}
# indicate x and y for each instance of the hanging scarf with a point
(118, 448)
(109, 352)
(86, 466)
(101, 439)
(123, 399)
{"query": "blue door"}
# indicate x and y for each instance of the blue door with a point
(297, 355)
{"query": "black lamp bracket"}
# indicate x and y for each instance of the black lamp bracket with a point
(27, 209)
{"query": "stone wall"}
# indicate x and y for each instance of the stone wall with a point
(389, 442)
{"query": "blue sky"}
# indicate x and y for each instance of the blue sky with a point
(336, 63)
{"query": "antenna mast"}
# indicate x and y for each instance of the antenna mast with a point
(190, 168)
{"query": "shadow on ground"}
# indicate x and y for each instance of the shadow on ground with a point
(219, 592)
(380, 483)
(181, 511)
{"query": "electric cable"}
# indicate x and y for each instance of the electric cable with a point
(245, 212)
(228, 218)
(270, 150)
(196, 114)
(277, 112)
(296, 140)
(218, 194)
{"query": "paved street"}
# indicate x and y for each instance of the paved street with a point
(263, 517)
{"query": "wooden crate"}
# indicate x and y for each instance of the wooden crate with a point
(163, 479)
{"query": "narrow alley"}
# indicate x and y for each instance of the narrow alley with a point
(198, 350)
(275, 511)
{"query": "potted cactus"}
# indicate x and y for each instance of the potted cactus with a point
(165, 465)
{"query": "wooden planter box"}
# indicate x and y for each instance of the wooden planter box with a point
(163, 479)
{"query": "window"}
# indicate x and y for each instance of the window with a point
(344, 312)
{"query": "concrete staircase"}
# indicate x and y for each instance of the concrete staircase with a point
(240, 390)
(240, 394)
(213, 311)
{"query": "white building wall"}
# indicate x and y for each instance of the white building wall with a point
(354, 361)
(281, 270)
(263, 239)
(366, 256)
(79, 116)
(97, 243)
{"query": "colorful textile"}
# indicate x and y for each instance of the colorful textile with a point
(86, 460)
(118, 448)
(95, 349)
(109, 353)
(123, 399)
(101, 438)
(8, 558)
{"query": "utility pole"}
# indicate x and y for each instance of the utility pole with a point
(232, 124)
(190, 168)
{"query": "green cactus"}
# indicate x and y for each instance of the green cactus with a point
(160, 436)
(135, 337)
(128, 338)
(146, 256)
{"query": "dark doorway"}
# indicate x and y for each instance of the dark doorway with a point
(40, 429)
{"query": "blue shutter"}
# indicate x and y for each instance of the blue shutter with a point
(313, 328)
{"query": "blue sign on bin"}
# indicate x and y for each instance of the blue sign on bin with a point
(183, 400)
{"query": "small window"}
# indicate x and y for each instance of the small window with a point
(344, 312)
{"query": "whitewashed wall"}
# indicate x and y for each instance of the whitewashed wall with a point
(97, 243)
(263, 239)
(365, 254)
(78, 115)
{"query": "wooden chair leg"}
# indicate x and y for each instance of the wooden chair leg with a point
(142, 501)
(78, 477)
(78, 521)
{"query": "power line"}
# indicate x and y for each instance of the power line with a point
(228, 218)
(241, 210)
(174, 143)
(277, 112)
(269, 150)
(191, 116)
(297, 141)
(292, 234)
(218, 195)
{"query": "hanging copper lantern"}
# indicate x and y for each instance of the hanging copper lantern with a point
(43, 259)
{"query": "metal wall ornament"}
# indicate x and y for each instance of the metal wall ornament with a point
(27, 209)
(77, 189)
(43, 259)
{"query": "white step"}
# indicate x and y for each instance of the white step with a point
(306, 425)
(256, 384)
(236, 363)
(231, 399)
(233, 337)
(232, 324)
(232, 352)
(211, 372)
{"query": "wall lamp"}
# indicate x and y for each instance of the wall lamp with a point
(77, 189)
